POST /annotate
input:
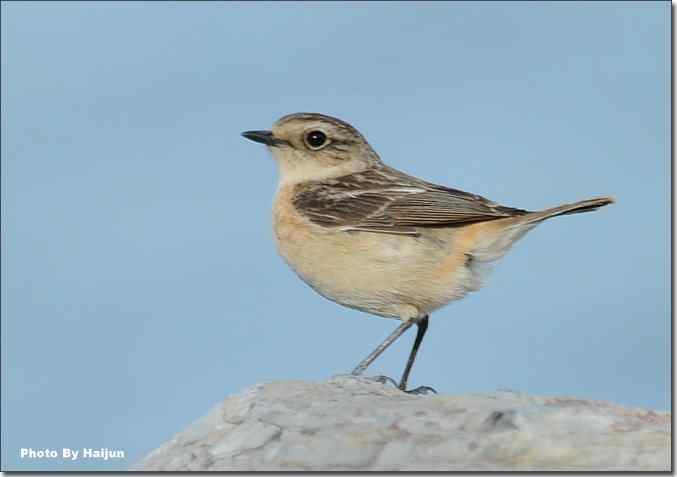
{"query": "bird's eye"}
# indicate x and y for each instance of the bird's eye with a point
(316, 139)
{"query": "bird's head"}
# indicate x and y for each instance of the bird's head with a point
(311, 146)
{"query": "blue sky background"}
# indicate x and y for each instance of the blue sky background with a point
(140, 282)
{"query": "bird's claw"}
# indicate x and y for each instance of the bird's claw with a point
(385, 380)
(421, 390)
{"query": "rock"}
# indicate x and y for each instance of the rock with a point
(351, 423)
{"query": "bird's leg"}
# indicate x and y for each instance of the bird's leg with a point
(422, 325)
(364, 364)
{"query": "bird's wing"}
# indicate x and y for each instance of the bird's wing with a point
(388, 201)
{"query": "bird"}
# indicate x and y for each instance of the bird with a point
(372, 238)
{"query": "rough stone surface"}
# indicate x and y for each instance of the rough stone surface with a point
(353, 423)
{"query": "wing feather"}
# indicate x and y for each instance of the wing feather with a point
(385, 200)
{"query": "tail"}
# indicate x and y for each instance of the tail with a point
(566, 209)
(502, 233)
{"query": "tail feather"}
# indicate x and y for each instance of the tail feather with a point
(494, 244)
(566, 209)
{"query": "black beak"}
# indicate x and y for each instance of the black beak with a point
(264, 137)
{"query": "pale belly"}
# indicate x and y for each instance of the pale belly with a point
(388, 275)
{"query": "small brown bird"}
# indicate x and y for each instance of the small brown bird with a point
(370, 237)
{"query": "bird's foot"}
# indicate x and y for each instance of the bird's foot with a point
(421, 391)
(384, 380)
